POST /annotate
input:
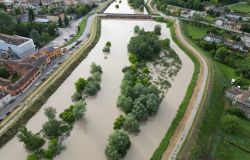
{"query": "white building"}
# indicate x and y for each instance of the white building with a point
(4, 99)
(20, 46)
(246, 41)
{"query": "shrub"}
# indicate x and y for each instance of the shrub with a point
(230, 123)
(131, 125)
(108, 44)
(80, 85)
(118, 122)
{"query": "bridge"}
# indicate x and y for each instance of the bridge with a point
(127, 16)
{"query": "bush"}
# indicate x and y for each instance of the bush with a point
(80, 85)
(118, 124)
(236, 111)
(131, 125)
(108, 44)
(106, 49)
(136, 29)
(230, 123)
(125, 103)
(118, 144)
(157, 30)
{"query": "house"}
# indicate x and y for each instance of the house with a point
(51, 52)
(240, 98)
(20, 46)
(55, 18)
(213, 38)
(219, 22)
(246, 41)
(233, 16)
(236, 45)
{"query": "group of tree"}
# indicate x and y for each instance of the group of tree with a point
(138, 4)
(54, 131)
(145, 45)
(230, 119)
(80, 9)
(90, 86)
(192, 4)
(107, 47)
(4, 73)
(41, 33)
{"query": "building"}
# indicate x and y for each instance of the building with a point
(20, 46)
(51, 52)
(213, 38)
(219, 22)
(246, 41)
(240, 98)
(4, 99)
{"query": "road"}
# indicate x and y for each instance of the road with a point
(185, 124)
(20, 98)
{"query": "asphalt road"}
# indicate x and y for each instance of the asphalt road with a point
(20, 98)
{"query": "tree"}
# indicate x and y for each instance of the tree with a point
(140, 111)
(67, 115)
(108, 44)
(17, 10)
(50, 112)
(52, 128)
(165, 43)
(95, 68)
(157, 30)
(53, 149)
(32, 156)
(145, 46)
(52, 29)
(76, 96)
(125, 103)
(31, 14)
(136, 29)
(236, 111)
(118, 122)
(118, 144)
(230, 123)
(153, 102)
(92, 88)
(131, 124)
(45, 37)
(60, 24)
(79, 109)
(34, 34)
(80, 85)
(139, 90)
(4, 73)
(66, 20)
(31, 141)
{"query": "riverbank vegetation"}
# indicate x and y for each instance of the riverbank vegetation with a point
(137, 4)
(209, 141)
(54, 132)
(141, 88)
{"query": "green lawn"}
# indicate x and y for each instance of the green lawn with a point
(196, 32)
(15, 78)
(228, 151)
(240, 7)
(210, 125)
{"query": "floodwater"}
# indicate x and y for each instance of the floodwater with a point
(124, 8)
(90, 135)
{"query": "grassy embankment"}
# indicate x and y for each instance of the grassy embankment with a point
(210, 141)
(51, 84)
(240, 8)
(182, 108)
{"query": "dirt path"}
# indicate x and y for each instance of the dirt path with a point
(185, 124)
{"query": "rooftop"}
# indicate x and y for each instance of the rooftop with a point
(13, 39)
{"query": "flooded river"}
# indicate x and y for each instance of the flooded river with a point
(89, 136)
(124, 7)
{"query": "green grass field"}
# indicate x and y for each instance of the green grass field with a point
(240, 7)
(210, 128)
